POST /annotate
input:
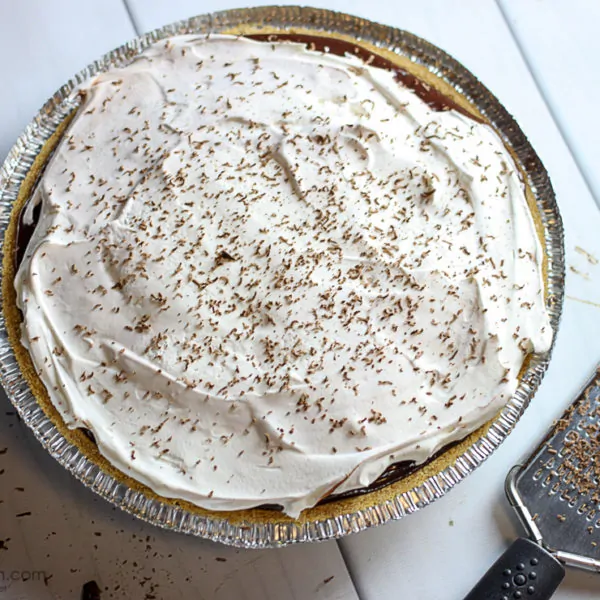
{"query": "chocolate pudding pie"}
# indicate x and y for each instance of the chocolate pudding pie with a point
(261, 270)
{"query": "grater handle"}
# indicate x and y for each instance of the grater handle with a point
(524, 571)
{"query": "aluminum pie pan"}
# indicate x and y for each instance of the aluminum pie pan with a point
(279, 530)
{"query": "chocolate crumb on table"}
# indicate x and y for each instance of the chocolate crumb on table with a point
(91, 591)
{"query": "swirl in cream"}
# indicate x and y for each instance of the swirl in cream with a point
(262, 273)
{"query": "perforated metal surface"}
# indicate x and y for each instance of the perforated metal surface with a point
(557, 492)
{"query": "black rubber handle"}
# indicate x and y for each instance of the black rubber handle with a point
(524, 571)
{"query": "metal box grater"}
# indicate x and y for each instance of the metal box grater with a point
(556, 495)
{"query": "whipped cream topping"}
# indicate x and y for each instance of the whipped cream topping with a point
(261, 274)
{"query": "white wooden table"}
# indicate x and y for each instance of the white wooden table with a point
(539, 58)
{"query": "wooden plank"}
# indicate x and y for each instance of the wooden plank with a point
(442, 551)
(561, 45)
(43, 44)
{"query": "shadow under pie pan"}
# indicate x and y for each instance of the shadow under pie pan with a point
(403, 488)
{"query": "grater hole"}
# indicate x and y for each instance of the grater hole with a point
(570, 467)
(571, 436)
